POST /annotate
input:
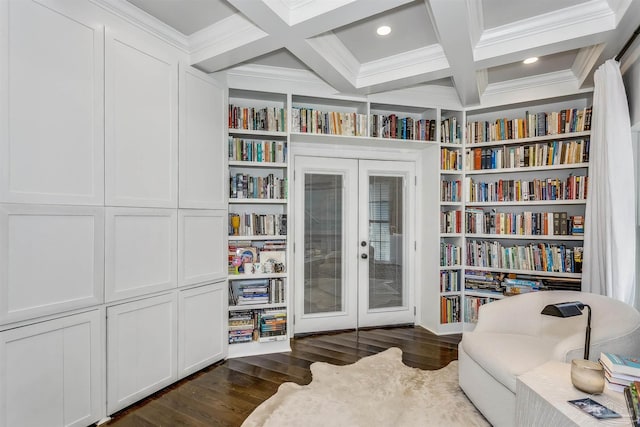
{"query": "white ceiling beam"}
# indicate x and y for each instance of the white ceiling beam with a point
(451, 19)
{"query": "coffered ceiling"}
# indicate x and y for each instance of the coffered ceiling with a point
(474, 48)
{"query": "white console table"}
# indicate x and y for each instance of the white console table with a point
(542, 395)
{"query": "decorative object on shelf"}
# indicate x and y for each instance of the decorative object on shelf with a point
(586, 375)
(235, 223)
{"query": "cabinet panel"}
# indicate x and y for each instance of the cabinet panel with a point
(201, 326)
(51, 259)
(141, 99)
(57, 387)
(202, 141)
(140, 251)
(201, 247)
(141, 349)
(52, 126)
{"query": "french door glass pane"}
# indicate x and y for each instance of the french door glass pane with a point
(385, 242)
(323, 236)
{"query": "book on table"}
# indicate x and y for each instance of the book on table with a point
(621, 364)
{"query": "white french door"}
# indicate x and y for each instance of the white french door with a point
(354, 245)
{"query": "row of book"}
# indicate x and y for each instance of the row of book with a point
(259, 291)
(245, 186)
(392, 126)
(451, 191)
(451, 221)
(450, 131)
(270, 119)
(242, 254)
(252, 150)
(533, 124)
(449, 281)
(472, 306)
(450, 159)
(449, 309)
(573, 187)
(257, 325)
(533, 257)
(479, 221)
(544, 154)
(450, 254)
(255, 224)
(309, 120)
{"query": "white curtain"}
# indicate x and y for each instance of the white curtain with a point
(609, 240)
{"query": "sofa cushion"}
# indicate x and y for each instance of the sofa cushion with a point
(502, 355)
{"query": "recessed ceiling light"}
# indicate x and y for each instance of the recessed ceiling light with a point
(383, 30)
(530, 60)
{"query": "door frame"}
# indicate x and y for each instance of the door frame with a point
(373, 150)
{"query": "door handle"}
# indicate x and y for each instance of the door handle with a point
(364, 256)
(363, 243)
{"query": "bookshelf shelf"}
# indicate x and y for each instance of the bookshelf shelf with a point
(255, 306)
(526, 272)
(450, 235)
(481, 293)
(524, 237)
(535, 139)
(257, 276)
(450, 267)
(257, 133)
(527, 169)
(256, 238)
(529, 203)
(258, 201)
(245, 164)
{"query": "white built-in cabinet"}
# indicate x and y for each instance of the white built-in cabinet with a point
(141, 124)
(52, 372)
(202, 338)
(51, 259)
(140, 251)
(202, 135)
(141, 349)
(112, 277)
(51, 106)
(200, 253)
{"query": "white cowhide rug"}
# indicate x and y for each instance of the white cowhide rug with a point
(378, 390)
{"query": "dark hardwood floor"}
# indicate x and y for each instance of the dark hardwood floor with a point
(226, 393)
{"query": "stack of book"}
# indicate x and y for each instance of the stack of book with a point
(620, 371)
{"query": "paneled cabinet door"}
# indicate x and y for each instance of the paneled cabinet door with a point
(52, 372)
(51, 105)
(203, 176)
(51, 259)
(202, 338)
(141, 124)
(201, 246)
(141, 349)
(140, 251)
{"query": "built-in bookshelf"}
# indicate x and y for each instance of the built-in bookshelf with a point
(450, 139)
(258, 277)
(525, 184)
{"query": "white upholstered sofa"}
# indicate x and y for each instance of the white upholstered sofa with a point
(512, 337)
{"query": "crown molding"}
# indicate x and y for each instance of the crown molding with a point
(619, 8)
(585, 61)
(559, 83)
(294, 12)
(424, 96)
(259, 77)
(406, 64)
(335, 53)
(227, 34)
(565, 24)
(131, 14)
